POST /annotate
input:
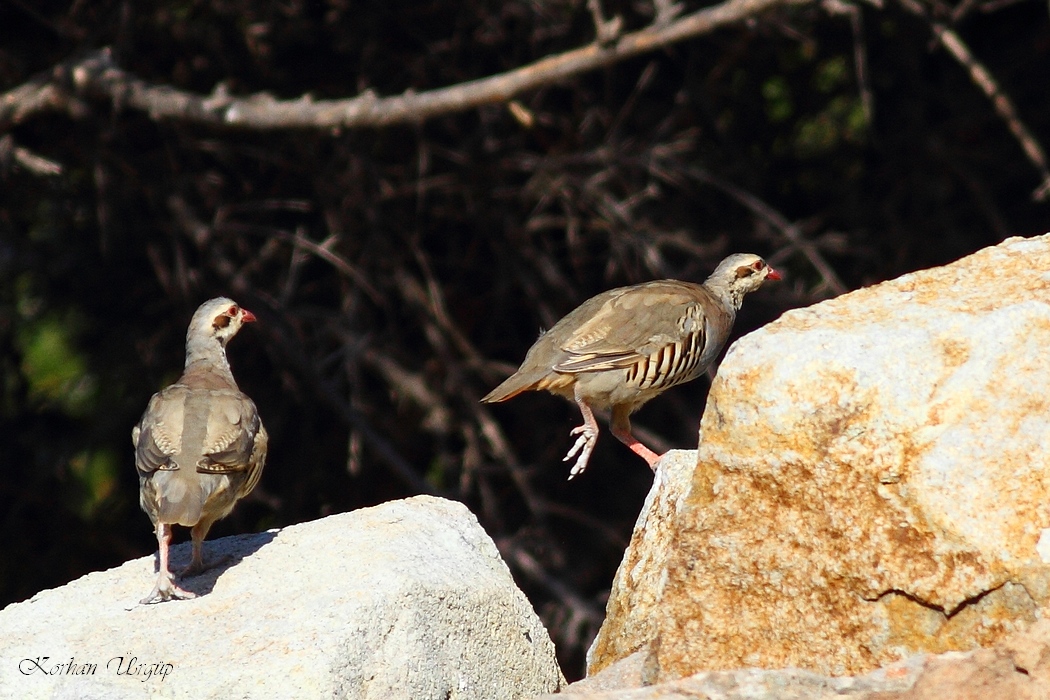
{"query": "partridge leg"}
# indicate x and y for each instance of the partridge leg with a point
(197, 534)
(165, 588)
(588, 433)
(620, 426)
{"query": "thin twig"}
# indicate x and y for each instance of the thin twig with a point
(605, 31)
(789, 230)
(386, 452)
(444, 336)
(666, 11)
(860, 54)
(1002, 104)
(500, 447)
(322, 250)
(524, 562)
(412, 385)
(38, 165)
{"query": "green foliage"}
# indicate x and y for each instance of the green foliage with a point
(841, 122)
(55, 371)
(779, 106)
(96, 472)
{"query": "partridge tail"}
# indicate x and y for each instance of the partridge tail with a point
(511, 387)
(180, 497)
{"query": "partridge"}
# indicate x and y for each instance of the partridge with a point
(623, 347)
(200, 446)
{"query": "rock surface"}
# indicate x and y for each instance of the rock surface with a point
(873, 481)
(409, 599)
(1016, 669)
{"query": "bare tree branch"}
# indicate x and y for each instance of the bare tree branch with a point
(98, 75)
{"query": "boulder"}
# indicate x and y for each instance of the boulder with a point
(1016, 669)
(409, 599)
(872, 481)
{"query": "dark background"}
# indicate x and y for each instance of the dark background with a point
(450, 243)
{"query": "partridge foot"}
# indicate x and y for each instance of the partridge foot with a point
(166, 590)
(584, 446)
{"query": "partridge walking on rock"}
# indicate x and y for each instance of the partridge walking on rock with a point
(200, 445)
(625, 346)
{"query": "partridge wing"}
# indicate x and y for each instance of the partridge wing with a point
(633, 323)
(229, 438)
(158, 436)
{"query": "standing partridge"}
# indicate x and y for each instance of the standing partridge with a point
(625, 346)
(200, 445)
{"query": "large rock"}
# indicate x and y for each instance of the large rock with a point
(873, 480)
(409, 599)
(1016, 669)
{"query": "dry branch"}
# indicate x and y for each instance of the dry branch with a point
(98, 75)
(1002, 104)
(36, 164)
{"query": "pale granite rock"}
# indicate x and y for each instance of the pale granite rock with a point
(873, 481)
(408, 599)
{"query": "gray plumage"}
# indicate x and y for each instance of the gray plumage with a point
(626, 346)
(200, 446)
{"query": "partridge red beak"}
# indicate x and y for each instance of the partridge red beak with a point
(249, 317)
(773, 275)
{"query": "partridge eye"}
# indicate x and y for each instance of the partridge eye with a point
(758, 265)
(232, 311)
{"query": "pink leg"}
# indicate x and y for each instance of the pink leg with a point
(197, 534)
(588, 433)
(165, 588)
(621, 430)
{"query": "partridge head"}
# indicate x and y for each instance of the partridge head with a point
(623, 347)
(200, 446)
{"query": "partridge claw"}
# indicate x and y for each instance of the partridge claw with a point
(584, 445)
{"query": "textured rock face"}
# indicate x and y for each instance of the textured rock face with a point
(405, 600)
(873, 480)
(1016, 669)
